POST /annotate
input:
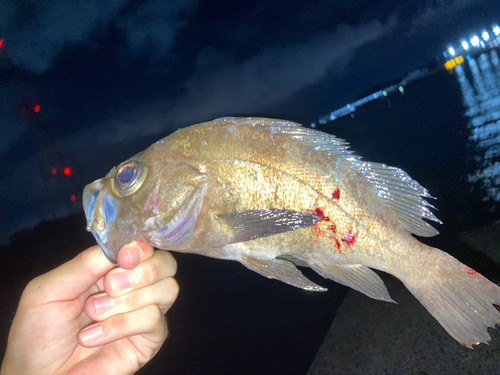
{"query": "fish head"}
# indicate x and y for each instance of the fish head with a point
(145, 199)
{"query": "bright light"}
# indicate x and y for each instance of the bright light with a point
(475, 41)
(496, 30)
(54, 171)
(1, 43)
(451, 50)
(486, 36)
(465, 45)
(67, 171)
(449, 65)
(73, 198)
(36, 108)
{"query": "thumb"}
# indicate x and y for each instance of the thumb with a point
(75, 277)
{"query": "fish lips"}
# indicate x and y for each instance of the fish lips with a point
(100, 212)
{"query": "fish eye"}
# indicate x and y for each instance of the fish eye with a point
(129, 177)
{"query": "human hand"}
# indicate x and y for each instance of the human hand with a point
(46, 336)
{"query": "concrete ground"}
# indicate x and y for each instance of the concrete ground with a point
(373, 337)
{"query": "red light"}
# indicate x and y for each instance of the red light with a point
(36, 108)
(67, 171)
(1, 43)
(54, 171)
(73, 198)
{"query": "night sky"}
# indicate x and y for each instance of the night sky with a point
(111, 77)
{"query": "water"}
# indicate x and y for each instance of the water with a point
(480, 85)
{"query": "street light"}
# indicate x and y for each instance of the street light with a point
(465, 45)
(451, 50)
(486, 36)
(496, 30)
(475, 41)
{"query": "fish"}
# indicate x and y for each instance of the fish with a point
(273, 195)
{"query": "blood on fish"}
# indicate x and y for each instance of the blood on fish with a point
(321, 214)
(470, 271)
(317, 231)
(337, 244)
(349, 239)
(336, 195)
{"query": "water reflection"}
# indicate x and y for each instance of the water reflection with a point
(481, 94)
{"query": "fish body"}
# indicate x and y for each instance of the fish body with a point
(272, 195)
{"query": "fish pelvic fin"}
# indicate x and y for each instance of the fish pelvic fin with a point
(281, 270)
(355, 276)
(460, 299)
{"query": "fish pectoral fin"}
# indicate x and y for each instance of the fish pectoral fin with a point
(253, 224)
(281, 270)
(356, 276)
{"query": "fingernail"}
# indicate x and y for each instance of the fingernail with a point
(102, 304)
(121, 281)
(134, 255)
(90, 333)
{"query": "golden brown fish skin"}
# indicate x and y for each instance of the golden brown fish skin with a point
(230, 166)
(242, 172)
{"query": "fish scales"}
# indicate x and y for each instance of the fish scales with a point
(249, 160)
(271, 195)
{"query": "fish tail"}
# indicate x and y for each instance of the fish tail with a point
(459, 298)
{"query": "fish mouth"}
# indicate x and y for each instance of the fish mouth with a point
(100, 212)
(103, 239)
(89, 199)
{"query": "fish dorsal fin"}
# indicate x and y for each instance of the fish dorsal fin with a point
(281, 270)
(356, 276)
(253, 224)
(393, 185)
(402, 194)
(321, 142)
(255, 121)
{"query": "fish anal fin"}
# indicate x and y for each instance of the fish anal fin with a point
(253, 224)
(356, 276)
(281, 270)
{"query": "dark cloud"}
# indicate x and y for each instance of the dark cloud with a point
(36, 31)
(439, 10)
